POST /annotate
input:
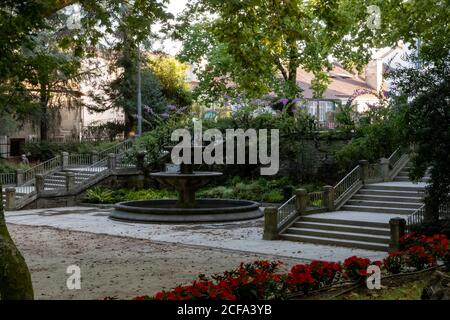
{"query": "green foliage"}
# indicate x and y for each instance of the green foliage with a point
(121, 93)
(421, 98)
(101, 195)
(45, 150)
(172, 75)
(98, 195)
(374, 138)
(109, 130)
(261, 189)
(10, 167)
(345, 117)
(40, 56)
(260, 48)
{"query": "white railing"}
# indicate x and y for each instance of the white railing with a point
(116, 149)
(97, 167)
(8, 179)
(416, 218)
(347, 183)
(80, 160)
(22, 191)
(395, 157)
(43, 168)
(286, 212)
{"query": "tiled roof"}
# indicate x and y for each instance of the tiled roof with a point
(343, 84)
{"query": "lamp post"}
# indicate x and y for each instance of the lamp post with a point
(139, 97)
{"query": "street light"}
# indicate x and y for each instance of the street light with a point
(139, 97)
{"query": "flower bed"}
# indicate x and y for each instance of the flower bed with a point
(262, 280)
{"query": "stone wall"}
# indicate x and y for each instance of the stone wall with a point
(310, 160)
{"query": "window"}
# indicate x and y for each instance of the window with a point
(319, 109)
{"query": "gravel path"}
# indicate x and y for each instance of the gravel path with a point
(116, 266)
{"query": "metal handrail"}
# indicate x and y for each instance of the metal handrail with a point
(117, 148)
(346, 183)
(285, 212)
(80, 159)
(417, 217)
(395, 157)
(9, 178)
(41, 168)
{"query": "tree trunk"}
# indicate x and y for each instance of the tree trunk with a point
(292, 68)
(129, 123)
(15, 278)
(43, 102)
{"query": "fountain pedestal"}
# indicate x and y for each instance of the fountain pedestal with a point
(186, 184)
(187, 208)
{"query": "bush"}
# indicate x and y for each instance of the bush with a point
(372, 141)
(45, 150)
(260, 280)
(435, 227)
(395, 262)
(257, 190)
(98, 195)
(356, 268)
(101, 195)
(10, 167)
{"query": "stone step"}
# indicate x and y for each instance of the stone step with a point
(335, 242)
(405, 178)
(387, 198)
(400, 211)
(77, 173)
(340, 235)
(391, 193)
(384, 204)
(359, 223)
(341, 227)
(393, 188)
(58, 179)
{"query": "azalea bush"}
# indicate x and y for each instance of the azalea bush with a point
(262, 279)
(356, 267)
(422, 251)
(394, 262)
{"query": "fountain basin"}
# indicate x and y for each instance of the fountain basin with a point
(205, 210)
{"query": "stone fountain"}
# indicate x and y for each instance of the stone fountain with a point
(186, 208)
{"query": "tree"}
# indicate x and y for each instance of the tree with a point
(172, 75)
(23, 22)
(262, 41)
(121, 93)
(20, 21)
(15, 279)
(53, 82)
(423, 104)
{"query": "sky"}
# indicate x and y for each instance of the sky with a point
(172, 47)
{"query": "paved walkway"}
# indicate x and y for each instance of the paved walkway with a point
(245, 236)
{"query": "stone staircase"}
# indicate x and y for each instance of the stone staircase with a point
(86, 170)
(404, 174)
(57, 180)
(363, 221)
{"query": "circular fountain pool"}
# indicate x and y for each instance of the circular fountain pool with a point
(186, 208)
(205, 210)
